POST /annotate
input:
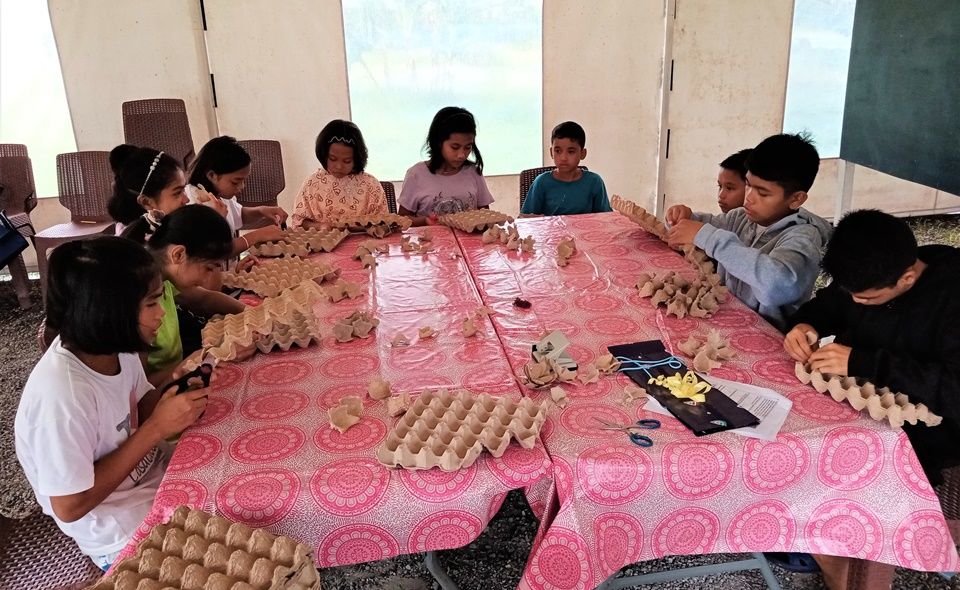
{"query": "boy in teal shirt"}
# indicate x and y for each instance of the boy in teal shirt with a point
(567, 189)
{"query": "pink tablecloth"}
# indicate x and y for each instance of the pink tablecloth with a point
(264, 453)
(833, 482)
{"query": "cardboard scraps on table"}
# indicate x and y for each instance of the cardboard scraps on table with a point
(378, 225)
(398, 404)
(378, 388)
(607, 364)
(468, 327)
(474, 220)
(632, 393)
(565, 250)
(559, 397)
(588, 373)
(400, 339)
(341, 289)
(700, 297)
(345, 414)
(196, 549)
(356, 325)
(301, 241)
(426, 332)
(639, 215)
(707, 353)
(881, 403)
(449, 430)
(270, 278)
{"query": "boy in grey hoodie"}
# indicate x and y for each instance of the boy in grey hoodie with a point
(768, 251)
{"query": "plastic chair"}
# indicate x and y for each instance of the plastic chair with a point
(18, 196)
(85, 182)
(391, 192)
(161, 124)
(527, 177)
(266, 180)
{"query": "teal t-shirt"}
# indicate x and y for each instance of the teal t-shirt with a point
(549, 196)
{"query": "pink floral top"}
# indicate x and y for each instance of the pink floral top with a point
(324, 197)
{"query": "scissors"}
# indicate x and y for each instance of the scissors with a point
(641, 440)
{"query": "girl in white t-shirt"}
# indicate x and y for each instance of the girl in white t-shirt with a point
(448, 182)
(90, 428)
(217, 174)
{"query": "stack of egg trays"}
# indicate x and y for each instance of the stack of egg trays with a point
(449, 430)
(474, 220)
(198, 551)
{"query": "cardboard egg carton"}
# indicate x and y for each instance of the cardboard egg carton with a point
(280, 321)
(475, 219)
(198, 551)
(881, 403)
(566, 248)
(509, 236)
(359, 324)
(301, 241)
(699, 298)
(449, 430)
(378, 225)
(269, 279)
(639, 215)
(708, 353)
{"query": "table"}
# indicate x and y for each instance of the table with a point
(833, 482)
(265, 454)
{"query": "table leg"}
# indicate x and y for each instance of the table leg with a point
(432, 561)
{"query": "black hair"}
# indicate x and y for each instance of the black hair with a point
(203, 232)
(346, 133)
(94, 291)
(446, 122)
(132, 174)
(869, 249)
(220, 155)
(569, 130)
(789, 160)
(737, 162)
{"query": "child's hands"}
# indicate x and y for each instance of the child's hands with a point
(277, 214)
(271, 233)
(247, 262)
(800, 342)
(174, 413)
(683, 232)
(678, 212)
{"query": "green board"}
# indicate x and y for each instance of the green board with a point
(902, 109)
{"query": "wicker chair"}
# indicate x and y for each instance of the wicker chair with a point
(85, 181)
(161, 124)
(266, 180)
(527, 177)
(18, 196)
(34, 553)
(391, 192)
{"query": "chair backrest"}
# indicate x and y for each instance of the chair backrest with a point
(527, 177)
(161, 124)
(85, 181)
(19, 193)
(391, 192)
(266, 180)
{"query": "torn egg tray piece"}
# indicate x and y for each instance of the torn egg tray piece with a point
(198, 551)
(449, 430)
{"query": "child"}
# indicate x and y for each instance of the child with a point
(144, 180)
(732, 180)
(188, 245)
(448, 182)
(222, 168)
(768, 251)
(89, 430)
(891, 306)
(567, 190)
(339, 187)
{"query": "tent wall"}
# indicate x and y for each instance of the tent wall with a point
(281, 74)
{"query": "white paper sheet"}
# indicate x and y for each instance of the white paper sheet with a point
(766, 404)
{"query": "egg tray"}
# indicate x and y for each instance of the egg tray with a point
(269, 279)
(709, 353)
(475, 220)
(378, 225)
(280, 321)
(699, 298)
(639, 215)
(198, 551)
(881, 403)
(509, 237)
(302, 241)
(449, 430)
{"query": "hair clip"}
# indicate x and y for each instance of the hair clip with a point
(153, 167)
(153, 218)
(338, 139)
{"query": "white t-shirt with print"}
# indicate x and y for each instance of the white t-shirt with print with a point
(234, 209)
(69, 417)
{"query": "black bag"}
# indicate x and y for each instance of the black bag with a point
(11, 242)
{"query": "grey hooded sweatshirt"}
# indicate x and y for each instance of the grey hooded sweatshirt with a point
(772, 269)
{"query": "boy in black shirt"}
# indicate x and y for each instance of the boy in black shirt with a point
(894, 309)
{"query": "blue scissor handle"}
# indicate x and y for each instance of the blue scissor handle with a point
(640, 440)
(648, 423)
